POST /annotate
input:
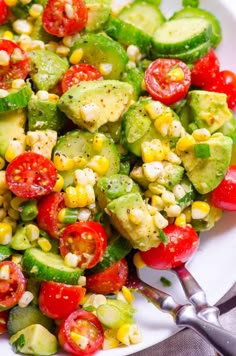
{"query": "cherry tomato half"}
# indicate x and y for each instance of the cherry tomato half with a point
(13, 287)
(182, 243)
(31, 175)
(224, 196)
(3, 11)
(62, 18)
(88, 240)
(18, 66)
(109, 281)
(58, 300)
(3, 321)
(205, 69)
(48, 209)
(78, 73)
(224, 82)
(81, 323)
(167, 80)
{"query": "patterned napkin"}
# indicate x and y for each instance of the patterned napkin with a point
(188, 343)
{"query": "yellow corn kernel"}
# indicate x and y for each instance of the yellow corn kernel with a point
(175, 75)
(76, 197)
(3, 214)
(71, 259)
(5, 233)
(181, 220)
(14, 214)
(11, 3)
(200, 209)
(98, 141)
(152, 151)
(25, 299)
(105, 68)
(62, 50)
(187, 213)
(163, 122)
(59, 183)
(99, 164)
(185, 143)
(79, 161)
(137, 260)
(129, 297)
(8, 35)
(4, 58)
(14, 148)
(63, 163)
(129, 334)
(12, 222)
(2, 163)
(35, 10)
(154, 109)
(32, 232)
(76, 56)
(80, 340)
(5, 272)
(201, 134)
(16, 202)
(44, 244)
(22, 26)
(3, 183)
(160, 221)
(135, 215)
(16, 258)
(157, 202)
(110, 343)
(51, 46)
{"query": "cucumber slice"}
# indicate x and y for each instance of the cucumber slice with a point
(98, 48)
(16, 99)
(20, 318)
(142, 14)
(99, 12)
(5, 252)
(79, 143)
(128, 34)
(216, 35)
(117, 248)
(134, 76)
(48, 266)
(181, 35)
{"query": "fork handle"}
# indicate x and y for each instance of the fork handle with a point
(222, 340)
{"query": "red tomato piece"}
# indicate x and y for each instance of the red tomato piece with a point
(48, 209)
(64, 18)
(182, 243)
(167, 80)
(3, 321)
(13, 287)
(224, 82)
(78, 73)
(205, 69)
(109, 281)
(4, 11)
(88, 240)
(81, 323)
(224, 196)
(31, 175)
(18, 66)
(58, 300)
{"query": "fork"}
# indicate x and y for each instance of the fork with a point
(186, 315)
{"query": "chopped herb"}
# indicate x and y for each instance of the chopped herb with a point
(163, 237)
(89, 308)
(166, 282)
(19, 343)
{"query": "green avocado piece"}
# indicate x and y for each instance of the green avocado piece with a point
(99, 12)
(207, 173)
(19, 240)
(94, 103)
(12, 125)
(142, 235)
(208, 109)
(34, 340)
(47, 68)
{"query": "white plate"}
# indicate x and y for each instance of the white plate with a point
(214, 264)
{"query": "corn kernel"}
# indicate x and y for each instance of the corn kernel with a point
(44, 244)
(152, 151)
(8, 35)
(10, 221)
(36, 44)
(3, 213)
(63, 163)
(14, 214)
(181, 220)
(163, 122)
(176, 74)
(157, 202)
(135, 215)
(5, 233)
(178, 191)
(185, 143)
(201, 134)
(5, 272)
(173, 210)
(129, 297)
(137, 260)
(110, 343)
(59, 183)
(200, 209)
(98, 142)
(35, 10)
(32, 232)
(187, 213)
(175, 128)
(22, 26)
(16, 202)
(25, 299)
(51, 46)
(152, 170)
(4, 58)
(80, 340)
(168, 197)
(105, 68)
(71, 259)
(14, 148)
(76, 197)
(159, 220)
(11, 3)
(18, 84)
(173, 158)
(2, 163)
(133, 53)
(154, 109)
(99, 164)
(129, 334)
(16, 258)
(76, 56)
(82, 281)
(84, 214)
(3, 183)
(62, 50)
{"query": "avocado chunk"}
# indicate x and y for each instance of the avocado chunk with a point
(208, 109)
(142, 234)
(94, 103)
(12, 126)
(47, 68)
(207, 173)
(99, 12)
(34, 340)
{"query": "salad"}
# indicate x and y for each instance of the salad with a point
(117, 138)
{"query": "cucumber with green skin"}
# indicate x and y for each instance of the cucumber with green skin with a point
(99, 12)
(5, 252)
(48, 266)
(16, 99)
(134, 76)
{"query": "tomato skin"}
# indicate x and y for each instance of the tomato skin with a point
(58, 300)
(182, 243)
(13, 288)
(224, 196)
(16, 69)
(225, 82)
(72, 323)
(4, 11)
(205, 69)
(31, 175)
(3, 321)
(79, 72)
(56, 21)
(84, 238)
(109, 281)
(48, 209)
(164, 87)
